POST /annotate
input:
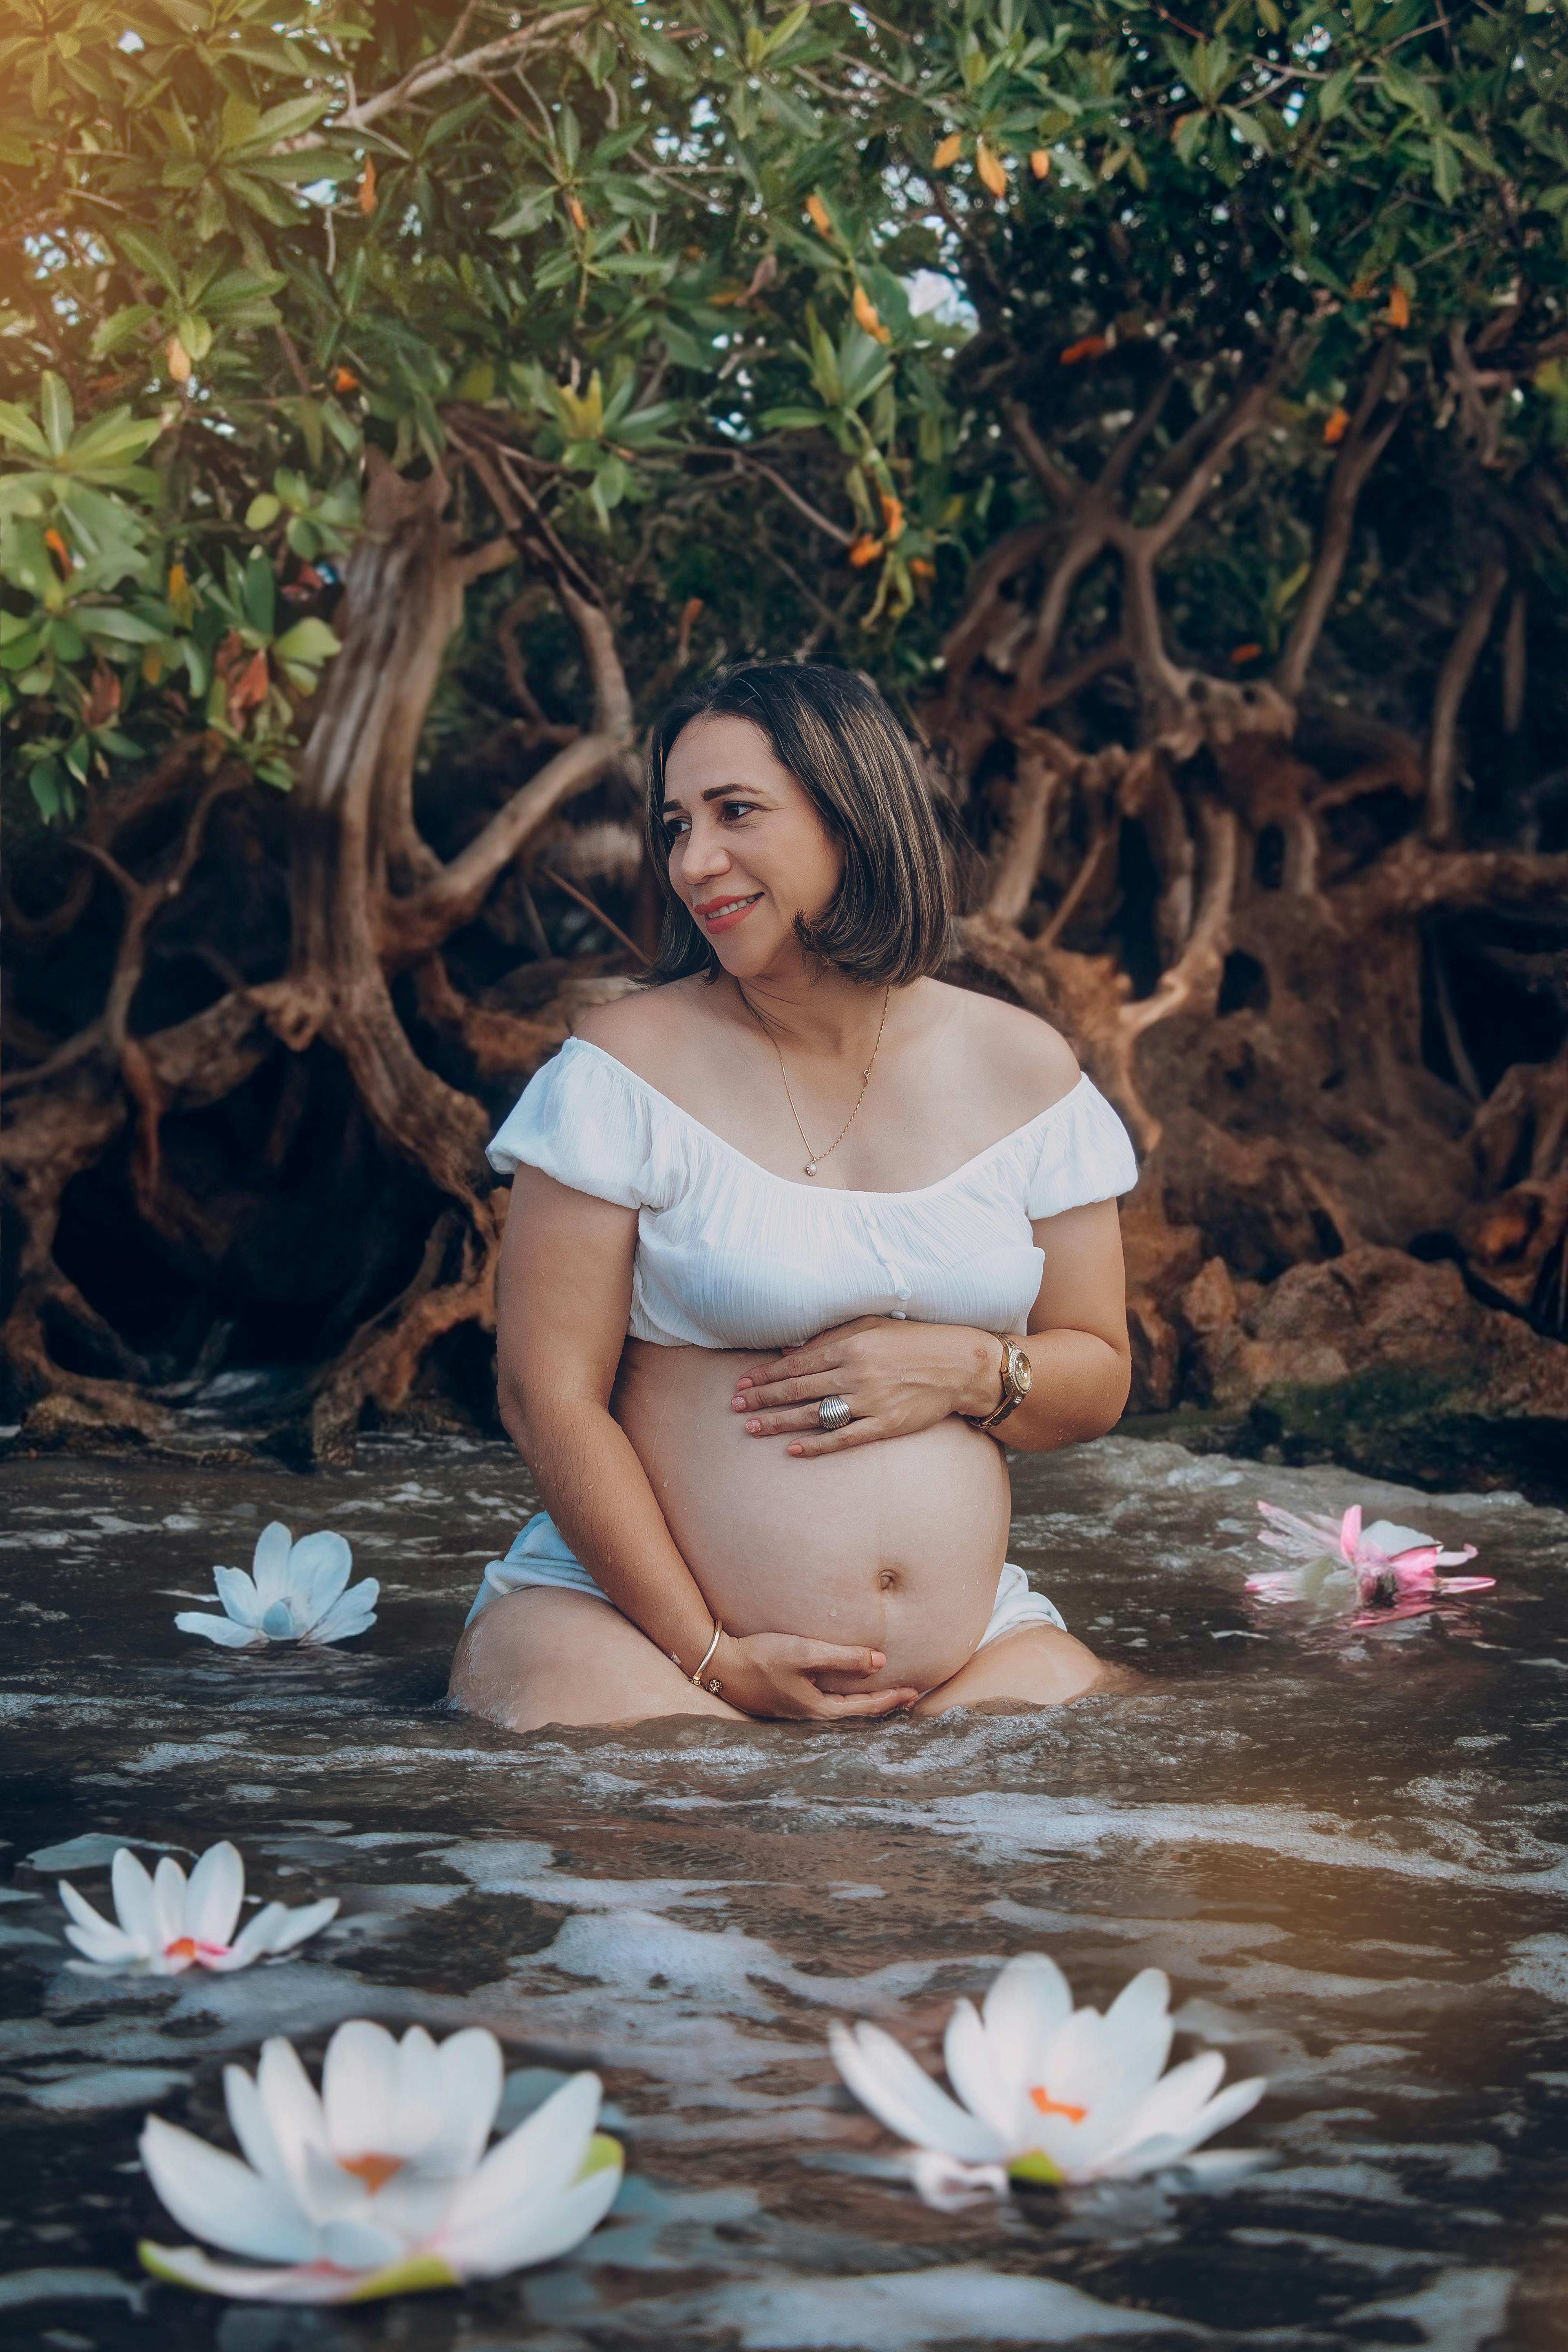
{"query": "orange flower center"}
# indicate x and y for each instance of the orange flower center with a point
(1049, 2107)
(373, 2170)
(191, 1948)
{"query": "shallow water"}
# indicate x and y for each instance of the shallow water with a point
(1350, 1852)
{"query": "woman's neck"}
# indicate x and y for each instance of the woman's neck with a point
(818, 1015)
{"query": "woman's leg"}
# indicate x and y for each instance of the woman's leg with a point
(1040, 1666)
(542, 1655)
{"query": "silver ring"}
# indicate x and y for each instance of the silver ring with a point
(832, 1412)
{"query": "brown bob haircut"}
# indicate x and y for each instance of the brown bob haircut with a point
(890, 921)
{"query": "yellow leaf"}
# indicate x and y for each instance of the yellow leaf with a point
(948, 152)
(988, 163)
(819, 215)
(892, 514)
(178, 359)
(1040, 162)
(866, 316)
(1398, 306)
(579, 218)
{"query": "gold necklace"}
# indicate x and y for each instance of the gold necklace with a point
(813, 1159)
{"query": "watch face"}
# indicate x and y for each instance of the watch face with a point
(1022, 1372)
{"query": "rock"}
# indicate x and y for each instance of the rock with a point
(1384, 1361)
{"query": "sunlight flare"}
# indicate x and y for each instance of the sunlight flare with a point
(1050, 2093)
(294, 1593)
(381, 2182)
(165, 1924)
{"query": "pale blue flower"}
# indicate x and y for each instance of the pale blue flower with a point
(295, 1593)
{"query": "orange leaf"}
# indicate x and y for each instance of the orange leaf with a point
(866, 316)
(248, 688)
(1363, 290)
(892, 514)
(690, 610)
(102, 698)
(344, 380)
(820, 220)
(152, 665)
(367, 186)
(948, 152)
(864, 549)
(1088, 347)
(1398, 306)
(58, 550)
(178, 359)
(922, 569)
(1040, 162)
(988, 163)
(1240, 654)
(1336, 425)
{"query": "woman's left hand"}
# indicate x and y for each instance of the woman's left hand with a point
(894, 1377)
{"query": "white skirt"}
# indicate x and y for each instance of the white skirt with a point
(541, 1555)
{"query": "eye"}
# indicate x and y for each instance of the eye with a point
(737, 808)
(675, 825)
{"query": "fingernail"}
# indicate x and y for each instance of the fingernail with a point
(737, 1404)
(795, 1449)
(754, 1429)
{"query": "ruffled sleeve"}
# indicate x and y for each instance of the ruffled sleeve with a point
(1087, 1155)
(586, 1120)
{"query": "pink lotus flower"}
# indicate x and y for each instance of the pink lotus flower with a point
(1382, 1571)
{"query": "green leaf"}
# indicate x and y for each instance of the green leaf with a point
(529, 211)
(150, 255)
(263, 510)
(17, 427)
(792, 420)
(308, 641)
(260, 594)
(1334, 96)
(111, 334)
(120, 627)
(59, 416)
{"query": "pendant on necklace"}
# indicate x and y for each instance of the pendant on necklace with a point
(811, 1166)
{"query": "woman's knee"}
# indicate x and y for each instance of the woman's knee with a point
(517, 1640)
(1037, 1666)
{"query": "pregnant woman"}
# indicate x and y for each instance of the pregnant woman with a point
(799, 1238)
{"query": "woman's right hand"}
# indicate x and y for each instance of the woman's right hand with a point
(769, 1675)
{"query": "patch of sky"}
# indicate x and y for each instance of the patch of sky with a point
(933, 296)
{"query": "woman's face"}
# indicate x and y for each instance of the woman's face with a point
(747, 851)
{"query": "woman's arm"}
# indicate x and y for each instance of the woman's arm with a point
(898, 1377)
(563, 1293)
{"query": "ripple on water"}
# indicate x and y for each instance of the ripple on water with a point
(1347, 1849)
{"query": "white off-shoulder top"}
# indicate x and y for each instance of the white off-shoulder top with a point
(730, 1255)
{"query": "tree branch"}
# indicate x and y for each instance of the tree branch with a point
(1059, 481)
(1359, 453)
(1453, 683)
(412, 926)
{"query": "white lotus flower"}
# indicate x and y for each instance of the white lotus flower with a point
(380, 2185)
(1050, 2093)
(294, 1594)
(166, 1925)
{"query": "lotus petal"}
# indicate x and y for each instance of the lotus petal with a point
(472, 2080)
(168, 1904)
(220, 2198)
(949, 2186)
(547, 2225)
(293, 2110)
(358, 2243)
(238, 1596)
(278, 1623)
(215, 1893)
(221, 1630)
(902, 2094)
(359, 2090)
(306, 2282)
(318, 1568)
(1025, 2009)
(293, 1927)
(546, 2149)
(353, 1612)
(270, 1564)
(988, 2086)
(133, 1902)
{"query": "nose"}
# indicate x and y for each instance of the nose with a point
(702, 857)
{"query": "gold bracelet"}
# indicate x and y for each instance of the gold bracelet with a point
(715, 1687)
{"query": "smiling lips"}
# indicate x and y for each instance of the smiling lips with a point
(723, 914)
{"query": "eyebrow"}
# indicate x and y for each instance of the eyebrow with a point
(716, 793)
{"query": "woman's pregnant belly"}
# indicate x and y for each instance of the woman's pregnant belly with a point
(897, 1545)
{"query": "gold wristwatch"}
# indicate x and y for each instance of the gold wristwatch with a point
(1018, 1380)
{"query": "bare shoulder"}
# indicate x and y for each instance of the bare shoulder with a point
(645, 1029)
(1023, 1065)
